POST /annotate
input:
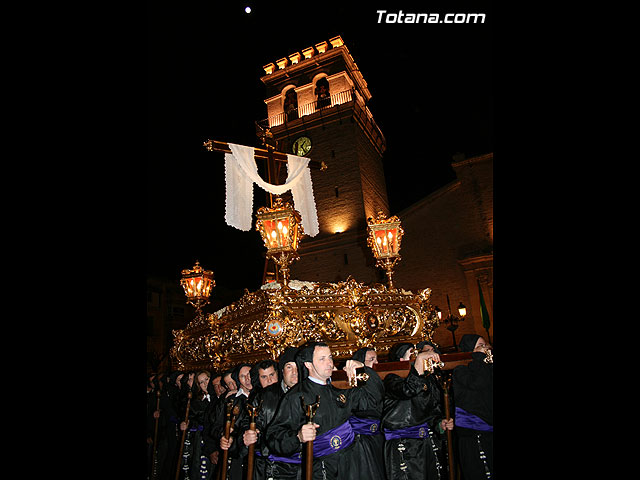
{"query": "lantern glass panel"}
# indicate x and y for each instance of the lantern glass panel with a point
(280, 233)
(386, 241)
(279, 228)
(283, 232)
(193, 286)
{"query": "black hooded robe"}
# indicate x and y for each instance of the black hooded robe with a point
(236, 455)
(170, 410)
(167, 436)
(369, 443)
(410, 402)
(265, 466)
(200, 467)
(335, 407)
(472, 389)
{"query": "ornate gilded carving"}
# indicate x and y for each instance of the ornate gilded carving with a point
(347, 315)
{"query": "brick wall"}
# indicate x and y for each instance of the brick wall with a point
(351, 189)
(448, 245)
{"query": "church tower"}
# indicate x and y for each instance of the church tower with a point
(317, 108)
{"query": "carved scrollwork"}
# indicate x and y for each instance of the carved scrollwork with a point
(347, 315)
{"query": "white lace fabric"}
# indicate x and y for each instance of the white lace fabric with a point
(241, 173)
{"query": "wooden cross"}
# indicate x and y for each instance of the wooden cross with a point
(270, 154)
(274, 161)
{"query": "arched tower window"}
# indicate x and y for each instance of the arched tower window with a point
(323, 96)
(290, 104)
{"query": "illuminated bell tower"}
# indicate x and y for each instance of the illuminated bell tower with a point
(317, 108)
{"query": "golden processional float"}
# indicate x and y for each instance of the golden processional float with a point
(346, 315)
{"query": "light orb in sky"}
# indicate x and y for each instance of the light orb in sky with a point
(247, 9)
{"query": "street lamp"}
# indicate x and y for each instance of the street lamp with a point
(385, 235)
(197, 284)
(452, 320)
(281, 228)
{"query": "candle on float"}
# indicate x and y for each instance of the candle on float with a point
(280, 233)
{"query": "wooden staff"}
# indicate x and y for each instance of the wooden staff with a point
(184, 433)
(227, 433)
(154, 463)
(310, 411)
(253, 411)
(447, 411)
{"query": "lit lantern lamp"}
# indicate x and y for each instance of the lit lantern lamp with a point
(197, 284)
(280, 227)
(385, 235)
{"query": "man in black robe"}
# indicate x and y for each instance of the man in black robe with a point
(330, 431)
(171, 412)
(369, 440)
(186, 384)
(167, 437)
(211, 447)
(199, 465)
(411, 417)
(472, 389)
(215, 416)
(267, 399)
(153, 416)
(241, 377)
(366, 355)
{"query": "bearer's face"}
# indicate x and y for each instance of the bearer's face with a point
(290, 374)
(217, 386)
(245, 378)
(428, 348)
(322, 365)
(371, 359)
(268, 376)
(203, 381)
(481, 345)
(230, 383)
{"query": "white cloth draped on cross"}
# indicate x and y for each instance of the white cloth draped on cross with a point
(241, 173)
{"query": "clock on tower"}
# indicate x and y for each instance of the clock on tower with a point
(301, 146)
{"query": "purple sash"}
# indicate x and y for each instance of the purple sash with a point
(333, 440)
(417, 431)
(468, 420)
(364, 426)
(295, 458)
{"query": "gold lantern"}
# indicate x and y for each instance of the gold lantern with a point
(281, 229)
(385, 235)
(197, 284)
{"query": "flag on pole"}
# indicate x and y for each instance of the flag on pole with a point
(484, 313)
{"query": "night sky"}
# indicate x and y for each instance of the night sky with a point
(432, 96)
